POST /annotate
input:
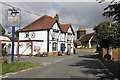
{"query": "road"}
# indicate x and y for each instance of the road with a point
(82, 65)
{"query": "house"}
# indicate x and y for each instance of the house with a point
(45, 35)
(85, 40)
(88, 40)
(66, 37)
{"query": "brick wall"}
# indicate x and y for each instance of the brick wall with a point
(115, 53)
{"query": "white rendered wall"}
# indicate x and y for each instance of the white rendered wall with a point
(23, 49)
(39, 35)
(9, 50)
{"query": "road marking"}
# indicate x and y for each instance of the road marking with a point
(22, 70)
(8, 73)
(29, 68)
(44, 64)
(5, 77)
(14, 73)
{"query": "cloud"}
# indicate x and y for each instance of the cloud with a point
(86, 14)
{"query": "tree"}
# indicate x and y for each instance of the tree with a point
(17, 33)
(116, 35)
(103, 34)
(100, 1)
(108, 36)
(113, 10)
(2, 30)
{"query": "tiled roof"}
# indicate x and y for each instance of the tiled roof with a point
(64, 27)
(44, 22)
(86, 38)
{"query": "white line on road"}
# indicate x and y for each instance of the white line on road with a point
(29, 68)
(5, 77)
(22, 70)
(8, 74)
(14, 73)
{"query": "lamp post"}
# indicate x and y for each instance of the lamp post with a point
(12, 16)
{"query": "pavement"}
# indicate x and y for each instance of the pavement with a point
(43, 60)
(83, 65)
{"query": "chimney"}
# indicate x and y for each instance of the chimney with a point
(56, 17)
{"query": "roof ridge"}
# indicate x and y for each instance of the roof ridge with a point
(40, 23)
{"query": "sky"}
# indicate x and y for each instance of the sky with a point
(87, 14)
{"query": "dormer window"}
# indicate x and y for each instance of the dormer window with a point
(26, 35)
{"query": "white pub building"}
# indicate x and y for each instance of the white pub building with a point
(46, 35)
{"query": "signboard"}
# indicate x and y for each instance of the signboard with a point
(13, 17)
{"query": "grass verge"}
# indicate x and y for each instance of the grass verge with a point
(17, 66)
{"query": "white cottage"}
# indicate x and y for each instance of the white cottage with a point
(45, 35)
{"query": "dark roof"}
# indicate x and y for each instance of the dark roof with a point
(78, 42)
(86, 38)
(44, 22)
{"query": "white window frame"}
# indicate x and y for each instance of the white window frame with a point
(54, 46)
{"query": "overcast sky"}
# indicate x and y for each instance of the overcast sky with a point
(87, 14)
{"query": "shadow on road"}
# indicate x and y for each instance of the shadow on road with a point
(94, 56)
(113, 66)
(89, 65)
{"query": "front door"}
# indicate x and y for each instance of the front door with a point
(62, 47)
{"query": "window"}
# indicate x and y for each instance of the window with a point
(54, 47)
(54, 36)
(69, 37)
(27, 45)
(26, 35)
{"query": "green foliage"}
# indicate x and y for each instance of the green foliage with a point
(17, 66)
(116, 34)
(113, 10)
(17, 33)
(2, 30)
(108, 36)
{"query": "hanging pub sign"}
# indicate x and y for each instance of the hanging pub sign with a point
(13, 17)
(13, 20)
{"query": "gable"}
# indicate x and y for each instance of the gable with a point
(56, 26)
(69, 30)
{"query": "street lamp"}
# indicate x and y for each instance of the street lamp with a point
(12, 17)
